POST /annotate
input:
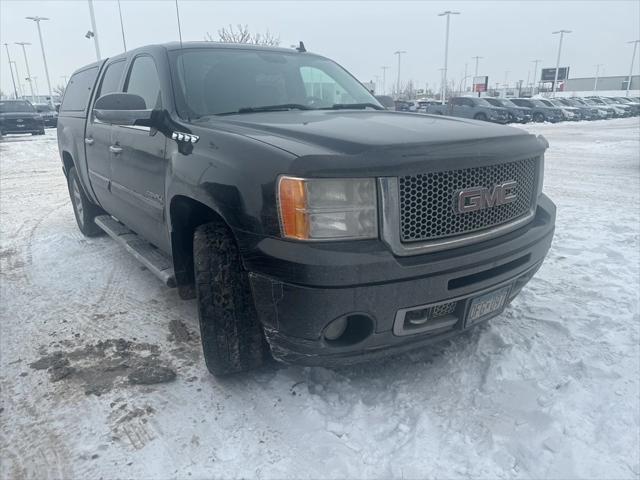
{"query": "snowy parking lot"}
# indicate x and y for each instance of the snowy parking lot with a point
(548, 389)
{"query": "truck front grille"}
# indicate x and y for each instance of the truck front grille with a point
(427, 200)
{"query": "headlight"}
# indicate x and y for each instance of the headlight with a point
(327, 208)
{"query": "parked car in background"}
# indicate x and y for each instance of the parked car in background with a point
(627, 110)
(471, 107)
(516, 114)
(569, 113)
(19, 116)
(404, 106)
(386, 101)
(424, 104)
(540, 112)
(633, 104)
(586, 112)
(48, 113)
(600, 111)
(614, 111)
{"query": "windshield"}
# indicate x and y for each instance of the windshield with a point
(506, 103)
(482, 102)
(219, 81)
(19, 107)
(537, 103)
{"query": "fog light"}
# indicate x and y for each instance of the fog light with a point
(336, 329)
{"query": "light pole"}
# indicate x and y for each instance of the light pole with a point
(476, 59)
(384, 79)
(447, 14)
(124, 42)
(399, 53)
(506, 78)
(34, 79)
(464, 87)
(535, 72)
(20, 89)
(26, 62)
(94, 29)
(15, 90)
(595, 82)
(64, 77)
(633, 57)
(44, 57)
(555, 80)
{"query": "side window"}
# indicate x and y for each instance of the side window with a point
(76, 95)
(111, 78)
(456, 101)
(318, 84)
(468, 102)
(143, 80)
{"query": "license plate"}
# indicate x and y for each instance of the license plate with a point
(487, 305)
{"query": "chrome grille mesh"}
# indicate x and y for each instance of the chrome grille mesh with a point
(427, 200)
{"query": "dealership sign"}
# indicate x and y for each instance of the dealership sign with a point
(549, 74)
(480, 84)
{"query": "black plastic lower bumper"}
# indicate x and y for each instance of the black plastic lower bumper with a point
(295, 315)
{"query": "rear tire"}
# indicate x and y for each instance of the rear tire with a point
(480, 116)
(84, 210)
(232, 339)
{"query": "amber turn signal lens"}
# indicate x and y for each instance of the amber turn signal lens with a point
(292, 198)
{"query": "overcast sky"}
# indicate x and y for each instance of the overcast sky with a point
(360, 35)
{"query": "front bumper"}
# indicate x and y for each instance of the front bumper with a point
(298, 293)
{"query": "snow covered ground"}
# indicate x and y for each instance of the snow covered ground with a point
(548, 389)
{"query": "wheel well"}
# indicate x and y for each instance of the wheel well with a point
(67, 162)
(186, 215)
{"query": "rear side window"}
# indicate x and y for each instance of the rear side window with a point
(76, 95)
(111, 78)
(143, 80)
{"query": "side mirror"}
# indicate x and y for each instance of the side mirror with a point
(122, 109)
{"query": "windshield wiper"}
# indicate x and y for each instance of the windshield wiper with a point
(270, 108)
(355, 106)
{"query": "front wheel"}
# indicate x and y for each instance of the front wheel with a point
(232, 339)
(538, 117)
(84, 210)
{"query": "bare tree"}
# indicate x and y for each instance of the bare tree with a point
(241, 34)
(59, 90)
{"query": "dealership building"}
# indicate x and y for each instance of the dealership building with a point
(604, 83)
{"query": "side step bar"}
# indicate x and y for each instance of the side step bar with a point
(154, 259)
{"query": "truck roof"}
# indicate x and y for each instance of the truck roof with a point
(171, 46)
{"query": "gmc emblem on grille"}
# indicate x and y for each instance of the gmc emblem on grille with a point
(479, 198)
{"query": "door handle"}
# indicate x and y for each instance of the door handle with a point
(115, 149)
(89, 141)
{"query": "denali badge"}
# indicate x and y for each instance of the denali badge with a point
(478, 198)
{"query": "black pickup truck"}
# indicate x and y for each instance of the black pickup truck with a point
(308, 222)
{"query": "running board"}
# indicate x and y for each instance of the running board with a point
(154, 259)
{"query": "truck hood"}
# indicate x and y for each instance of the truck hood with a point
(321, 132)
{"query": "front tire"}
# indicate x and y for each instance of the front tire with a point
(84, 210)
(232, 339)
(539, 117)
